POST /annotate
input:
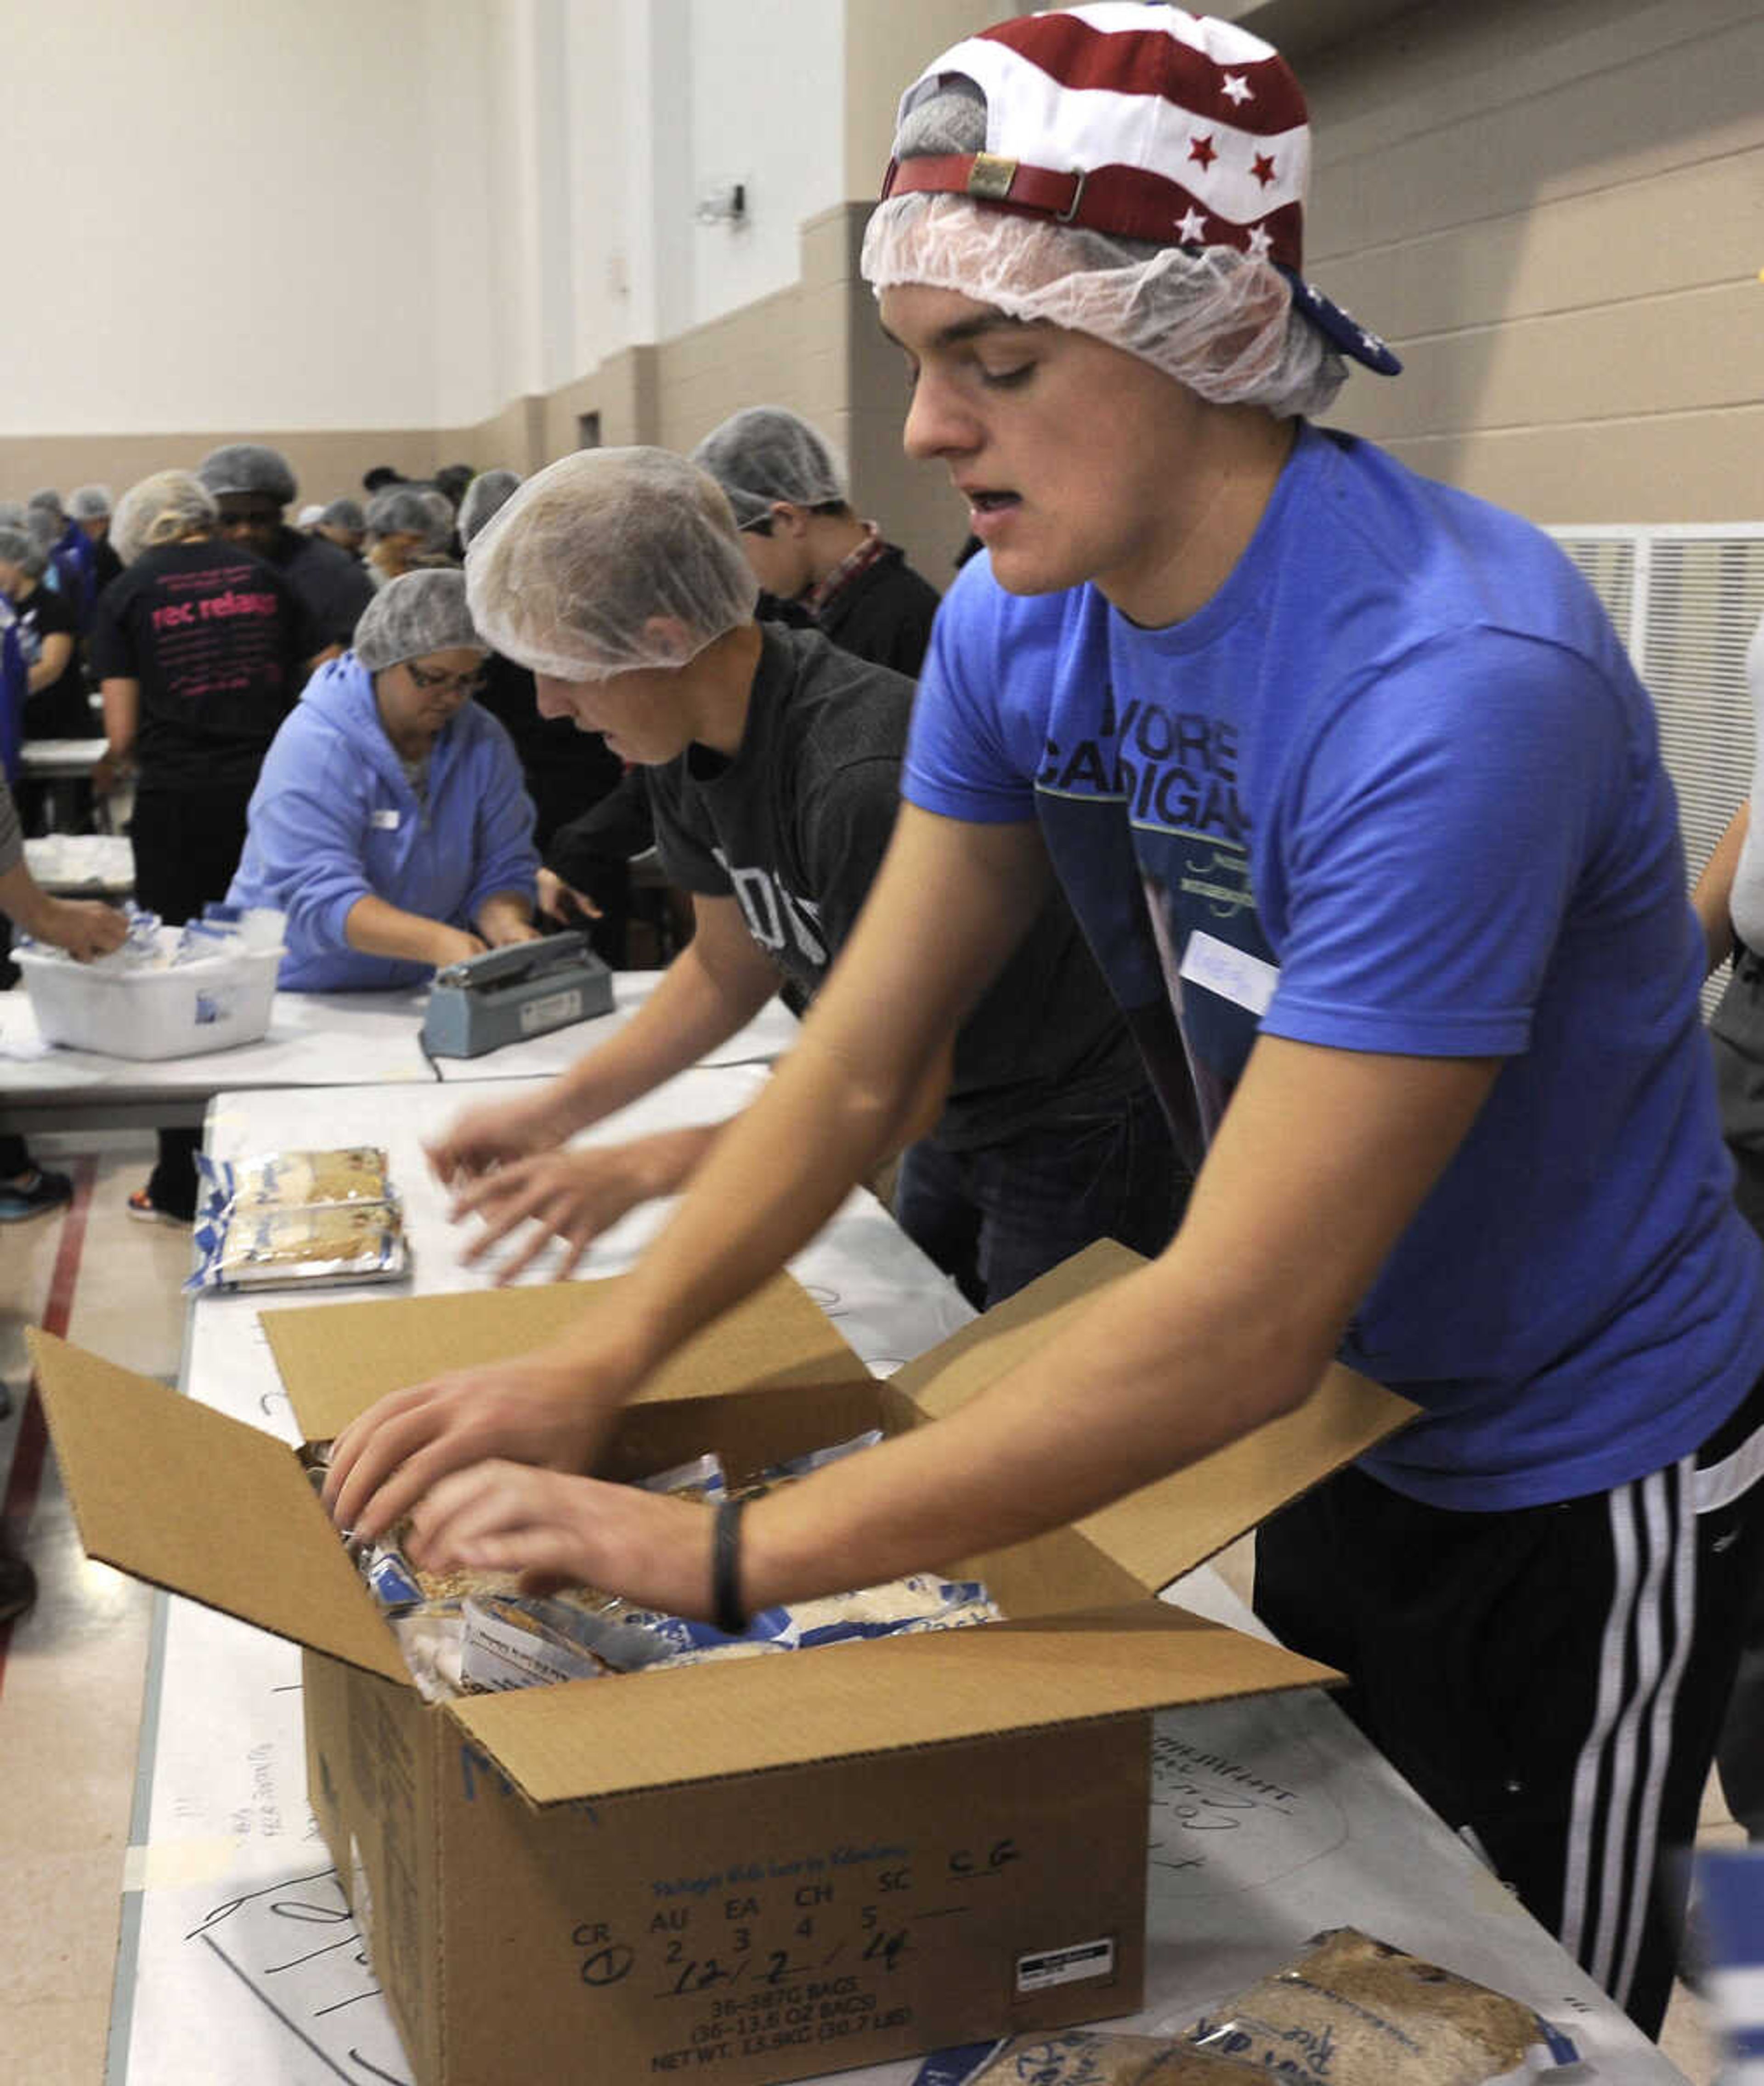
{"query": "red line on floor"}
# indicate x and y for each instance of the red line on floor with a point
(25, 1479)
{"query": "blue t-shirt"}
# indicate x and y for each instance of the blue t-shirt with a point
(1396, 789)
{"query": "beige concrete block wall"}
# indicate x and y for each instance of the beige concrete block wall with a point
(1557, 214)
(327, 464)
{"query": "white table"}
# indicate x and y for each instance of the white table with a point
(82, 865)
(766, 1037)
(316, 1039)
(239, 1962)
(59, 760)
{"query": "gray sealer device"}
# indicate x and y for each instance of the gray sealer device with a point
(506, 995)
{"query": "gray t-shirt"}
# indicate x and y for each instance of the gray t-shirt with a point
(794, 827)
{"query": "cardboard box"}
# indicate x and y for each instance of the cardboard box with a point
(754, 1870)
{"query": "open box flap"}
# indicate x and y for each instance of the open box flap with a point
(187, 1498)
(336, 1358)
(1165, 1528)
(593, 1740)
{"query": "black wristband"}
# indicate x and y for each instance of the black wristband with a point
(726, 1610)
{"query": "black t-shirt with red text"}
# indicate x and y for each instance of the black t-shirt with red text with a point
(215, 637)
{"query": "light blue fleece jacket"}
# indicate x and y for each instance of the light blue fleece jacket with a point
(332, 820)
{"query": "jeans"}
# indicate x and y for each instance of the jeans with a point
(995, 1217)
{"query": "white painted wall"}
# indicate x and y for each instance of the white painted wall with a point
(401, 214)
(211, 237)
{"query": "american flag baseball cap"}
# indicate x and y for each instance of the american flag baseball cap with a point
(1145, 122)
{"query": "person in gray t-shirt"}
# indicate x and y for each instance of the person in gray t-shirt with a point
(773, 759)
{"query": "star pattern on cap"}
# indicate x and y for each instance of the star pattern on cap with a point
(1191, 231)
(1259, 241)
(1201, 149)
(1262, 167)
(1237, 87)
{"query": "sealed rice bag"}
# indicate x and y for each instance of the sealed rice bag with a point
(1353, 2008)
(793, 1467)
(261, 1249)
(293, 1180)
(701, 1478)
(920, 1599)
(1082, 2057)
(430, 1639)
(513, 1644)
(630, 1638)
(714, 1654)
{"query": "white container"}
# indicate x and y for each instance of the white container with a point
(212, 1004)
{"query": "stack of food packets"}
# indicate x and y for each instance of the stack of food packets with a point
(284, 1219)
(1349, 2012)
(473, 1633)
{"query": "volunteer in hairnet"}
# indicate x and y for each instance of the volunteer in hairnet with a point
(566, 770)
(92, 506)
(808, 547)
(252, 485)
(1349, 770)
(773, 759)
(409, 528)
(389, 823)
(200, 648)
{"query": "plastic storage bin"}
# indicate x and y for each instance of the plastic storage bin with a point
(212, 1004)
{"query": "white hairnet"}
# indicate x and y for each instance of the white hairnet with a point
(163, 509)
(91, 503)
(249, 467)
(484, 497)
(18, 546)
(46, 497)
(11, 513)
(344, 514)
(420, 613)
(609, 560)
(1218, 320)
(310, 516)
(411, 510)
(767, 453)
(44, 526)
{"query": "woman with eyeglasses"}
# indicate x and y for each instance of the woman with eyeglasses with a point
(390, 824)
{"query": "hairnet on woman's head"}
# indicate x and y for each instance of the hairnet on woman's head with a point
(163, 509)
(767, 453)
(411, 510)
(344, 514)
(421, 612)
(44, 525)
(91, 503)
(484, 497)
(249, 467)
(610, 560)
(46, 497)
(18, 546)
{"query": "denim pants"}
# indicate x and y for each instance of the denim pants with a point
(996, 1216)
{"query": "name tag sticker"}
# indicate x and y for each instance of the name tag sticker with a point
(386, 820)
(1234, 974)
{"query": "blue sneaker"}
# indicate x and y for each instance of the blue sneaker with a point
(31, 1193)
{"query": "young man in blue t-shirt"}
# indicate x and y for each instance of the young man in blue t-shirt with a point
(1348, 771)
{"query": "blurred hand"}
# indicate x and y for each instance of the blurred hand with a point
(573, 1196)
(453, 945)
(502, 932)
(559, 900)
(530, 1409)
(492, 1135)
(557, 1530)
(109, 775)
(81, 927)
